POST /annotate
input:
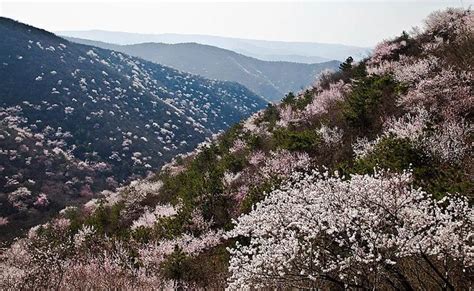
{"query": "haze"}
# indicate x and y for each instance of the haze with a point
(349, 22)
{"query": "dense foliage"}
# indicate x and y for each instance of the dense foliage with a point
(363, 181)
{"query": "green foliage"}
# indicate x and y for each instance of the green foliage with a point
(270, 115)
(234, 163)
(75, 219)
(399, 154)
(200, 177)
(306, 140)
(170, 227)
(258, 142)
(227, 139)
(201, 184)
(203, 270)
(142, 234)
(177, 267)
(412, 47)
(300, 102)
(107, 220)
(288, 99)
(346, 65)
(257, 194)
(394, 154)
(370, 98)
(446, 179)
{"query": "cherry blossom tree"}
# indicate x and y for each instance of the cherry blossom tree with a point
(365, 232)
(322, 100)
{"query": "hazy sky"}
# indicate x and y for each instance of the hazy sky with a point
(362, 23)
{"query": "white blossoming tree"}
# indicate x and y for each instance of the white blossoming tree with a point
(366, 232)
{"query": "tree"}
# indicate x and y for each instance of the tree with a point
(346, 65)
(366, 232)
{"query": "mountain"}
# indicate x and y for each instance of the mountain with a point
(78, 119)
(271, 80)
(262, 49)
(364, 181)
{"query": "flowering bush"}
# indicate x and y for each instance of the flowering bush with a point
(446, 141)
(324, 230)
(149, 218)
(331, 136)
(386, 50)
(287, 115)
(19, 198)
(324, 99)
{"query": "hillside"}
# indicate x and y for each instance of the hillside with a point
(272, 80)
(260, 49)
(77, 120)
(362, 182)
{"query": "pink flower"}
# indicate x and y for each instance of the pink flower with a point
(61, 223)
(324, 99)
(3, 221)
(42, 200)
(238, 146)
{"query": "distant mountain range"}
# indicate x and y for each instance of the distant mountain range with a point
(269, 79)
(77, 119)
(305, 52)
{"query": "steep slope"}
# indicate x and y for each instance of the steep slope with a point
(116, 115)
(272, 80)
(261, 49)
(362, 182)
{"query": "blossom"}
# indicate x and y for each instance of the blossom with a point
(229, 178)
(42, 200)
(450, 22)
(18, 198)
(331, 136)
(3, 220)
(322, 100)
(68, 110)
(363, 146)
(61, 223)
(238, 146)
(410, 126)
(83, 234)
(149, 218)
(282, 163)
(385, 50)
(446, 92)
(448, 142)
(153, 254)
(256, 158)
(323, 226)
(287, 115)
(198, 223)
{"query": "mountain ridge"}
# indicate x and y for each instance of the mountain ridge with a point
(269, 79)
(254, 48)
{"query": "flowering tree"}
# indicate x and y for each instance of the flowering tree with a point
(324, 99)
(149, 218)
(331, 136)
(366, 232)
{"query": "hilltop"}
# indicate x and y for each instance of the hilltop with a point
(309, 52)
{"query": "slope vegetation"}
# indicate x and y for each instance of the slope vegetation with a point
(362, 182)
(77, 119)
(272, 80)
